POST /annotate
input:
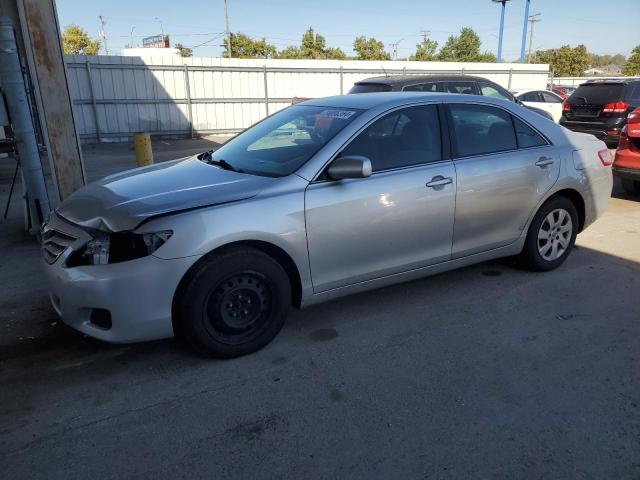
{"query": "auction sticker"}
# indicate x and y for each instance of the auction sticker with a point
(341, 114)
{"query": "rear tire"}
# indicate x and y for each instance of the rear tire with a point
(233, 303)
(551, 235)
(632, 187)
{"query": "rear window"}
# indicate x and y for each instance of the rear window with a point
(370, 88)
(597, 94)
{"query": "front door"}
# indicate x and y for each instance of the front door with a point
(504, 168)
(400, 218)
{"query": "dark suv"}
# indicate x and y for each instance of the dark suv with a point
(600, 107)
(439, 83)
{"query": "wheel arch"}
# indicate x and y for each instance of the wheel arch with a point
(277, 253)
(576, 198)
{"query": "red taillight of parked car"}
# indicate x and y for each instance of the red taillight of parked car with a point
(633, 124)
(605, 157)
(566, 107)
(615, 108)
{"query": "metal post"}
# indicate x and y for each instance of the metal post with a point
(510, 77)
(188, 91)
(266, 91)
(524, 30)
(341, 79)
(226, 29)
(18, 106)
(96, 117)
(501, 31)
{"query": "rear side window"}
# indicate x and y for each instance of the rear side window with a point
(424, 87)
(550, 98)
(405, 137)
(526, 136)
(531, 97)
(491, 91)
(597, 94)
(467, 88)
(370, 88)
(482, 129)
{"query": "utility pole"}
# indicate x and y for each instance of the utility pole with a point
(425, 34)
(226, 29)
(394, 48)
(102, 34)
(533, 19)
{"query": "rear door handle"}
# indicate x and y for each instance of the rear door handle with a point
(544, 161)
(439, 181)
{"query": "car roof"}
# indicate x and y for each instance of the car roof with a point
(410, 79)
(611, 82)
(366, 101)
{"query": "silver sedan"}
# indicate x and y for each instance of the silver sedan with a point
(323, 199)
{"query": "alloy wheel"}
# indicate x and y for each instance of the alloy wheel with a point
(554, 236)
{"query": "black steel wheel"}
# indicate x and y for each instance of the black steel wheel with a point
(232, 303)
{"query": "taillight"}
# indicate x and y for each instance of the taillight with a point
(605, 157)
(617, 107)
(566, 107)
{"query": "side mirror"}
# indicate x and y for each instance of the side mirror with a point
(350, 166)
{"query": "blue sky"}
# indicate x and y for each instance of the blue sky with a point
(198, 23)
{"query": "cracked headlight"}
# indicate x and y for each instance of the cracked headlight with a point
(119, 247)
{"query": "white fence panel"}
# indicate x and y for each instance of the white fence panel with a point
(115, 96)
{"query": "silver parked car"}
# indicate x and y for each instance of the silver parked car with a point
(323, 199)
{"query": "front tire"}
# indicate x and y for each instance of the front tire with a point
(233, 303)
(551, 236)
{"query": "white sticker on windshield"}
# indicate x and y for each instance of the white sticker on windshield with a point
(342, 114)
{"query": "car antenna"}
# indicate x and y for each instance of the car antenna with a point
(385, 72)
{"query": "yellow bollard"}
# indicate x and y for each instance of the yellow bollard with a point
(142, 146)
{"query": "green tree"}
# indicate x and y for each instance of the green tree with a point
(243, 46)
(462, 48)
(425, 50)
(565, 61)
(313, 46)
(370, 49)
(76, 41)
(487, 57)
(632, 67)
(184, 51)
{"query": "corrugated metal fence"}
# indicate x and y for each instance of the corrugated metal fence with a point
(116, 96)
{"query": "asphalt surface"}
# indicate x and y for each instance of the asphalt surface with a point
(484, 372)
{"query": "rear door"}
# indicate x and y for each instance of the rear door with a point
(587, 103)
(504, 168)
(552, 104)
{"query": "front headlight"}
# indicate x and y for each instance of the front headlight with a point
(119, 247)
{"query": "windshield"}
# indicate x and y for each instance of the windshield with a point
(285, 141)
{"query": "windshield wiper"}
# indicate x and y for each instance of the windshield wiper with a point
(207, 157)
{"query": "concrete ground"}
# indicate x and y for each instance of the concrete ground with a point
(484, 372)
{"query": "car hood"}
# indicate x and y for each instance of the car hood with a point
(122, 201)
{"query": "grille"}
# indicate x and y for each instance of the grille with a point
(54, 242)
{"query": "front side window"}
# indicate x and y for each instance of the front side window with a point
(285, 141)
(410, 136)
(491, 91)
(482, 129)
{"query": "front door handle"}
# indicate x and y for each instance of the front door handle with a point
(544, 161)
(439, 181)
